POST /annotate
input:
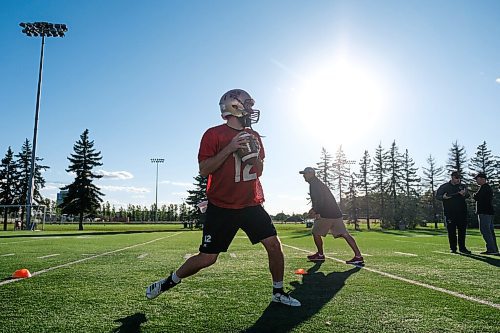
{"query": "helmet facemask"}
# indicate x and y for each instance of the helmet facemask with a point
(238, 103)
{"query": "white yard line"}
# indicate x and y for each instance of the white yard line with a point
(406, 254)
(413, 282)
(7, 254)
(449, 253)
(88, 258)
(49, 255)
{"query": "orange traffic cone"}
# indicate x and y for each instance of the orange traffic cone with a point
(300, 271)
(21, 274)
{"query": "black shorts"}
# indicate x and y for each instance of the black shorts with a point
(222, 224)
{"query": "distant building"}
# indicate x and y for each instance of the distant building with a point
(60, 196)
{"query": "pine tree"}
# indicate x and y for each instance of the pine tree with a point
(83, 196)
(8, 183)
(341, 172)
(411, 182)
(23, 167)
(352, 205)
(324, 168)
(379, 172)
(196, 196)
(485, 162)
(364, 183)
(433, 175)
(394, 182)
(457, 160)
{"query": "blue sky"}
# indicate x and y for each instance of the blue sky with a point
(145, 78)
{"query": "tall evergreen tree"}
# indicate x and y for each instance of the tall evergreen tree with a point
(23, 167)
(324, 168)
(457, 160)
(394, 182)
(411, 182)
(485, 162)
(433, 176)
(379, 172)
(365, 183)
(341, 172)
(83, 196)
(352, 205)
(196, 196)
(8, 183)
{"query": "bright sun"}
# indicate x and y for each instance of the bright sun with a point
(341, 102)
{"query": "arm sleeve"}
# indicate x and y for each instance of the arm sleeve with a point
(440, 191)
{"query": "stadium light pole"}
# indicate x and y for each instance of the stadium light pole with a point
(157, 161)
(38, 29)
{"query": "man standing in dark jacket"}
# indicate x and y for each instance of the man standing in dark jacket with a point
(453, 195)
(485, 213)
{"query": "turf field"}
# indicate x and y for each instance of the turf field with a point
(94, 281)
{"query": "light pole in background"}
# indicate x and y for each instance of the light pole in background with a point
(157, 161)
(38, 29)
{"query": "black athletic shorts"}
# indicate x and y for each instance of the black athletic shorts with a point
(222, 224)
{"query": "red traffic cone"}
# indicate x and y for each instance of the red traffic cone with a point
(300, 271)
(21, 274)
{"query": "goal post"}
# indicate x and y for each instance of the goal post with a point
(38, 213)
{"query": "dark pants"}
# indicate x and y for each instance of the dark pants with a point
(488, 231)
(454, 223)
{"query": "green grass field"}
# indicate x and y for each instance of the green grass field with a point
(94, 281)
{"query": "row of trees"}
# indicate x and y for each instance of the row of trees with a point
(14, 179)
(83, 198)
(388, 187)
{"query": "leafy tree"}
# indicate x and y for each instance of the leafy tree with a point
(324, 168)
(341, 172)
(23, 167)
(8, 183)
(83, 196)
(433, 175)
(196, 196)
(281, 216)
(364, 182)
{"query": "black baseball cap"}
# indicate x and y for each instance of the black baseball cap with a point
(480, 175)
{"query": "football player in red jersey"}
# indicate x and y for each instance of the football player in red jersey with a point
(234, 195)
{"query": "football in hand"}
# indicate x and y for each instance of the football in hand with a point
(250, 151)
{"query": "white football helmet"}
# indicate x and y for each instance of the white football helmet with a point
(239, 103)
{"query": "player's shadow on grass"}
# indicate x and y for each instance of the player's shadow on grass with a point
(484, 258)
(316, 290)
(131, 324)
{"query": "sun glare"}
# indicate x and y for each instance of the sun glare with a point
(341, 101)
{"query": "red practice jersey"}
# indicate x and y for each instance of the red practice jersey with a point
(234, 184)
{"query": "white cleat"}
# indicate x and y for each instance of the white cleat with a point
(285, 299)
(154, 290)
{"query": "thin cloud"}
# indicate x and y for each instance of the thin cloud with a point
(128, 189)
(497, 80)
(169, 182)
(115, 174)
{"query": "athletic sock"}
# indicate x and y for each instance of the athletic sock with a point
(278, 287)
(175, 278)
